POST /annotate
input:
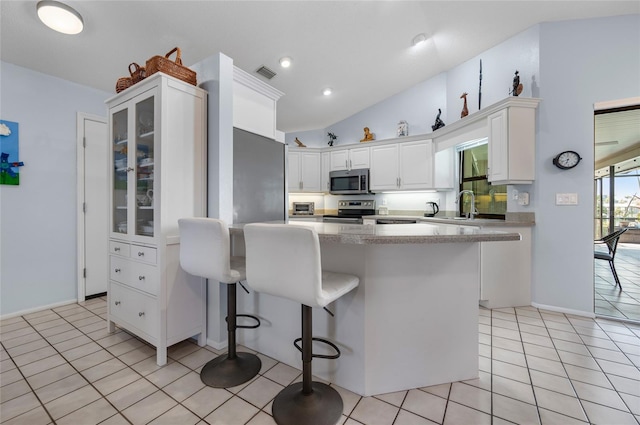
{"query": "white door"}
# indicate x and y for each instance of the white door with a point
(93, 209)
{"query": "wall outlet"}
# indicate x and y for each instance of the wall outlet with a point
(566, 199)
(514, 194)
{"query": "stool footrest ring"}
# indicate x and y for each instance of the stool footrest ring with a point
(257, 325)
(320, 356)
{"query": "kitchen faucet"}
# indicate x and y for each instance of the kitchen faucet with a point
(472, 207)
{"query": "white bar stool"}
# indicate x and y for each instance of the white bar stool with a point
(284, 260)
(205, 251)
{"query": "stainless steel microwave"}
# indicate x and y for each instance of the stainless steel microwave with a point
(349, 182)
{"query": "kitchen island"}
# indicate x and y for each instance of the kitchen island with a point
(412, 321)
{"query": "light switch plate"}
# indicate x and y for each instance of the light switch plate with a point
(566, 199)
(523, 198)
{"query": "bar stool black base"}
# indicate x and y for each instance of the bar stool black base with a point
(223, 372)
(322, 407)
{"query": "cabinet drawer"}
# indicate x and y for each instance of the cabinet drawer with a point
(137, 309)
(137, 275)
(143, 253)
(119, 248)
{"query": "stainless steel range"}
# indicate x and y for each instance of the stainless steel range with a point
(352, 211)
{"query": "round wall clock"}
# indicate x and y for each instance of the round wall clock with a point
(566, 160)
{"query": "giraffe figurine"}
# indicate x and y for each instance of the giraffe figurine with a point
(465, 110)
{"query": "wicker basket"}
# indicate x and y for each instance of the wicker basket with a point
(138, 74)
(172, 68)
(123, 83)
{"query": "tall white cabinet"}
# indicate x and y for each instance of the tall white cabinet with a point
(158, 174)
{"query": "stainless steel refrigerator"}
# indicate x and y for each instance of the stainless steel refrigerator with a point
(259, 178)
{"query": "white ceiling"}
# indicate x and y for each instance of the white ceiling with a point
(617, 137)
(359, 48)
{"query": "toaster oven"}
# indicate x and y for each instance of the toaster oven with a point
(304, 208)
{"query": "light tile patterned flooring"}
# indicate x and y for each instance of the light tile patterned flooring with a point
(609, 300)
(61, 366)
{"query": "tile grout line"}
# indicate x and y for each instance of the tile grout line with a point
(72, 366)
(606, 375)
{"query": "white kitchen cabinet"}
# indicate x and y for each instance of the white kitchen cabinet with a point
(349, 159)
(325, 167)
(158, 175)
(383, 173)
(443, 169)
(505, 270)
(511, 146)
(304, 171)
(402, 166)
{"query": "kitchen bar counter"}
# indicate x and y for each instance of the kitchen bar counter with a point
(418, 233)
(413, 320)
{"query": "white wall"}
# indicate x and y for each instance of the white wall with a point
(38, 217)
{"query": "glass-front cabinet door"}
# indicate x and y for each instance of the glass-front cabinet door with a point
(144, 167)
(133, 137)
(120, 184)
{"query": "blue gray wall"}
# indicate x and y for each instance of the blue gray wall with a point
(581, 63)
(38, 217)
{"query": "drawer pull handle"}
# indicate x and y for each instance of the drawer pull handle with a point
(140, 254)
(116, 249)
(117, 302)
(141, 314)
(117, 270)
(140, 277)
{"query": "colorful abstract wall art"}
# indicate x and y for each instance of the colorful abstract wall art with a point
(9, 163)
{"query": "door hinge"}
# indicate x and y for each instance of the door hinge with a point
(84, 207)
(84, 272)
(84, 141)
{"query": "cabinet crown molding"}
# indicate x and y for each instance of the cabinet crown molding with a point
(246, 79)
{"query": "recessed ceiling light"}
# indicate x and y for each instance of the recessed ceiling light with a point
(60, 17)
(327, 91)
(285, 62)
(419, 39)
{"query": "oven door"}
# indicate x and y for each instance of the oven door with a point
(344, 220)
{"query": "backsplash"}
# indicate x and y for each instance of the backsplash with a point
(393, 201)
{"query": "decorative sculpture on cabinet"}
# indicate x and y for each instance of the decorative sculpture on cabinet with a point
(517, 86)
(368, 136)
(439, 123)
(465, 110)
(332, 138)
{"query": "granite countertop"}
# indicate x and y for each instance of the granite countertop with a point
(484, 222)
(418, 233)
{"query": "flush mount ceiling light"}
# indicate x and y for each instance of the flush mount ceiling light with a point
(419, 40)
(327, 91)
(60, 17)
(285, 62)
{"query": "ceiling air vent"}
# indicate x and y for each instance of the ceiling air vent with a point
(266, 72)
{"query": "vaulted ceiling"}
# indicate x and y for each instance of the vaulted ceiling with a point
(361, 49)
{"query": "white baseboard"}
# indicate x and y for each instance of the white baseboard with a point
(217, 345)
(37, 309)
(556, 309)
